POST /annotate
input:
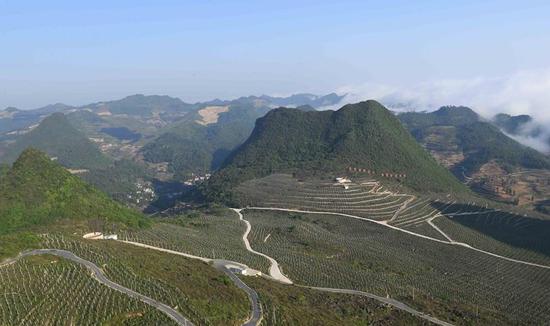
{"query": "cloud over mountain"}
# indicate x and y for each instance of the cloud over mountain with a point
(523, 92)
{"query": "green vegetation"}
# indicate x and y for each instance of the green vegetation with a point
(450, 282)
(59, 139)
(364, 135)
(117, 180)
(292, 305)
(12, 244)
(194, 288)
(190, 147)
(144, 105)
(215, 233)
(37, 191)
(47, 290)
(283, 191)
(513, 124)
(505, 233)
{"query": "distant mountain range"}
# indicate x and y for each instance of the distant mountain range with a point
(164, 109)
(125, 143)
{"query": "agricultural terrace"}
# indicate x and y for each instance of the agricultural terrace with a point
(450, 282)
(215, 234)
(367, 199)
(196, 290)
(48, 290)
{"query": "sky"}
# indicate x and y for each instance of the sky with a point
(479, 53)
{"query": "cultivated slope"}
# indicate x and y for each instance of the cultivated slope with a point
(364, 135)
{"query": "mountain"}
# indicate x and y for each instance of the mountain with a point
(141, 105)
(525, 129)
(461, 140)
(297, 100)
(364, 135)
(293, 101)
(513, 125)
(58, 138)
(37, 191)
(199, 143)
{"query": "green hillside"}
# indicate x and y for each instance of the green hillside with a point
(191, 147)
(364, 135)
(460, 129)
(58, 138)
(37, 191)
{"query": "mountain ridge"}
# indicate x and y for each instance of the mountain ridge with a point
(364, 135)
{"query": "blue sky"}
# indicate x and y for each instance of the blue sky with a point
(78, 52)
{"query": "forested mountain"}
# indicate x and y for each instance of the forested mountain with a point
(464, 142)
(364, 135)
(59, 139)
(202, 141)
(37, 190)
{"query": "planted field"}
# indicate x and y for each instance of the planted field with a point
(217, 236)
(452, 283)
(503, 233)
(365, 199)
(292, 305)
(48, 290)
(193, 288)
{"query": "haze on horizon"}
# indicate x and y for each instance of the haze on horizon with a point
(492, 55)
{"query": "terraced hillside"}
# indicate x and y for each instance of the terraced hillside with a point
(451, 282)
(358, 235)
(215, 235)
(365, 198)
(196, 290)
(50, 291)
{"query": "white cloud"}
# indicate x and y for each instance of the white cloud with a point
(524, 92)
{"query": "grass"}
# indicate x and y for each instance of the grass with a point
(452, 283)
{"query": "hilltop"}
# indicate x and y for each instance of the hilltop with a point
(364, 135)
(58, 138)
(38, 191)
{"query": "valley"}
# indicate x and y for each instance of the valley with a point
(343, 218)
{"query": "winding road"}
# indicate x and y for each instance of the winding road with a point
(275, 273)
(99, 276)
(274, 270)
(227, 267)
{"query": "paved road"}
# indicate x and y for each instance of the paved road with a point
(391, 302)
(97, 274)
(256, 310)
(224, 266)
